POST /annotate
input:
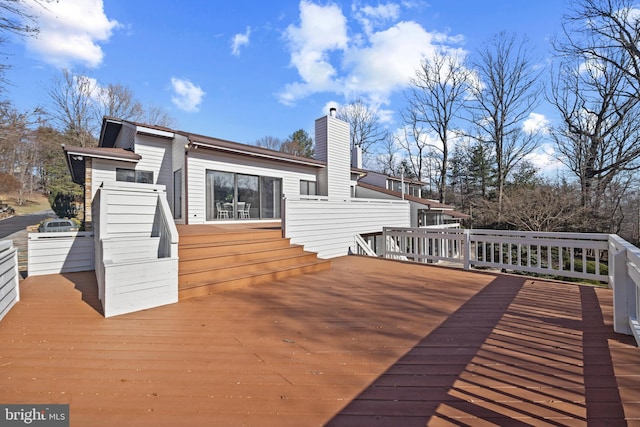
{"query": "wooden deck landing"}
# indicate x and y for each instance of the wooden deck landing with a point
(367, 343)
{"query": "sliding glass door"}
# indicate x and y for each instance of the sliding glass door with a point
(239, 196)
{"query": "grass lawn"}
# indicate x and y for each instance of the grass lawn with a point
(35, 203)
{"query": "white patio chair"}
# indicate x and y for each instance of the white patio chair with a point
(222, 213)
(246, 213)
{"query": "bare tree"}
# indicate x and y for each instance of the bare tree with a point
(599, 137)
(16, 18)
(157, 116)
(365, 127)
(19, 150)
(541, 207)
(387, 160)
(80, 103)
(414, 140)
(436, 95)
(270, 142)
(73, 107)
(505, 93)
(593, 28)
(115, 100)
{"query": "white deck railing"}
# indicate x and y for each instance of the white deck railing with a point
(60, 252)
(589, 256)
(9, 277)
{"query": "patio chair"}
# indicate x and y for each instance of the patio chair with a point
(222, 213)
(246, 213)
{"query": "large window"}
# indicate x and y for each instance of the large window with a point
(239, 196)
(132, 175)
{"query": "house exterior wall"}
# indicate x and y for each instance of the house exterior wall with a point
(105, 171)
(375, 178)
(199, 161)
(156, 157)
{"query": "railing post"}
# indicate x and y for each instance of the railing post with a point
(384, 242)
(466, 249)
(621, 284)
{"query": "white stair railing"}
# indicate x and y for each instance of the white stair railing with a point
(362, 247)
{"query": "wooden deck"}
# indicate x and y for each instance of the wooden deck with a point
(369, 342)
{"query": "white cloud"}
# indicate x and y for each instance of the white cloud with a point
(187, 96)
(70, 32)
(331, 57)
(240, 40)
(545, 159)
(536, 123)
(322, 29)
(371, 17)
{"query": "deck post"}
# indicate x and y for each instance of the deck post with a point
(621, 284)
(466, 249)
(384, 242)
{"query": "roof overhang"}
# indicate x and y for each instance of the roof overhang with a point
(76, 157)
(196, 142)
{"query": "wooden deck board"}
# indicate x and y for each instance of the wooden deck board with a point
(369, 342)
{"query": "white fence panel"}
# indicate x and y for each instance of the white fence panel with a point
(9, 277)
(328, 227)
(54, 253)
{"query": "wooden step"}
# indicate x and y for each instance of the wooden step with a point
(206, 250)
(255, 278)
(215, 258)
(219, 258)
(193, 278)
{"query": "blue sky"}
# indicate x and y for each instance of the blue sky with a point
(241, 69)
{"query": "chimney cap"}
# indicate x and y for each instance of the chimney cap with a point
(333, 111)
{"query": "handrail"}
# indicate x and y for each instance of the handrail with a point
(165, 228)
(362, 247)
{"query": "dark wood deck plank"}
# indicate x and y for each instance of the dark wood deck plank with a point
(369, 342)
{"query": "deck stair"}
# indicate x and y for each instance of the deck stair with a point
(215, 259)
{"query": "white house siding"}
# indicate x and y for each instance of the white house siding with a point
(9, 277)
(105, 171)
(156, 157)
(375, 178)
(201, 160)
(129, 212)
(328, 227)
